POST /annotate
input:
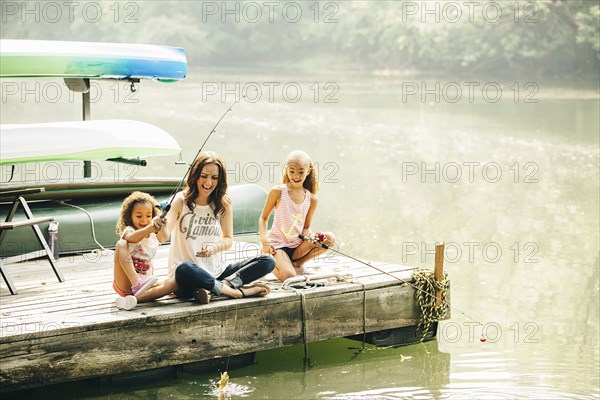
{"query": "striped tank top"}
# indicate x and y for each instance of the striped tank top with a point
(289, 220)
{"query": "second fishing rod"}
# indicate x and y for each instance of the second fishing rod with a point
(165, 206)
(317, 241)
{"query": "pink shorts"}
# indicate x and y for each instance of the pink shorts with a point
(119, 291)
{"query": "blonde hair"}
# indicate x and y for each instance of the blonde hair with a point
(127, 208)
(311, 183)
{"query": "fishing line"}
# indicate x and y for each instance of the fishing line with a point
(229, 356)
(323, 245)
(166, 207)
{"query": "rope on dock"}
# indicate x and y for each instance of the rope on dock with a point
(427, 287)
(308, 283)
(303, 284)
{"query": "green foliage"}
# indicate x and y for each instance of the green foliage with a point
(587, 27)
(545, 36)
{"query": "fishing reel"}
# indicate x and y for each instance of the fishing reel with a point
(320, 237)
(164, 207)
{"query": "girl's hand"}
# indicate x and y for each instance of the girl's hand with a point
(267, 248)
(158, 224)
(319, 237)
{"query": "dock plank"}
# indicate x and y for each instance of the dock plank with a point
(54, 332)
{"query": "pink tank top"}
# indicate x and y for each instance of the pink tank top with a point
(289, 220)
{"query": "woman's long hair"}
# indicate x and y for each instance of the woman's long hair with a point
(218, 199)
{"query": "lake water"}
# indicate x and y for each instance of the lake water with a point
(511, 186)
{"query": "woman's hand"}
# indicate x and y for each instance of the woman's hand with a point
(207, 251)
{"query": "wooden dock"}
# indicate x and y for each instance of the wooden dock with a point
(54, 332)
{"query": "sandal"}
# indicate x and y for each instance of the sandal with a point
(265, 290)
(201, 296)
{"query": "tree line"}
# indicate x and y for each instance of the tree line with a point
(547, 37)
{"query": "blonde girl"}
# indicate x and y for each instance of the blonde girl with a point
(294, 203)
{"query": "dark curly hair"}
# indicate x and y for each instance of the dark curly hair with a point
(127, 207)
(218, 199)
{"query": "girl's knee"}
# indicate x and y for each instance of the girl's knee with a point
(121, 250)
(286, 275)
(167, 283)
(170, 285)
(121, 245)
(329, 238)
(284, 272)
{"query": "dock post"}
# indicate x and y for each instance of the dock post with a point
(438, 270)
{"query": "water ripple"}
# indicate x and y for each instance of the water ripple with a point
(463, 392)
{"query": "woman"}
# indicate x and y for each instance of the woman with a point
(201, 224)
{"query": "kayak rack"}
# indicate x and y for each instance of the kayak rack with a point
(30, 221)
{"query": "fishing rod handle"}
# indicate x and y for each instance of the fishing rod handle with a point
(323, 245)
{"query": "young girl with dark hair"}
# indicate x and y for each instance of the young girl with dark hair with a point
(140, 231)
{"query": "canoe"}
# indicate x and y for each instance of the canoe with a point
(83, 140)
(66, 59)
(100, 202)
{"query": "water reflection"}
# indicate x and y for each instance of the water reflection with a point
(336, 368)
(546, 228)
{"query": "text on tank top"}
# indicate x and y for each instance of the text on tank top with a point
(195, 229)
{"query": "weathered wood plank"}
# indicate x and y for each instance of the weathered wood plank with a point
(204, 333)
(59, 332)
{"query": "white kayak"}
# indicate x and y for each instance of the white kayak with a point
(83, 140)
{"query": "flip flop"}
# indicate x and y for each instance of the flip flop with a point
(262, 293)
(201, 296)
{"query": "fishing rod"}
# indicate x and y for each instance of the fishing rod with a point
(318, 241)
(166, 207)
